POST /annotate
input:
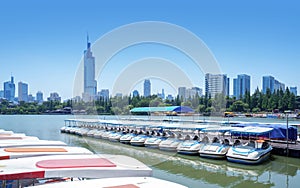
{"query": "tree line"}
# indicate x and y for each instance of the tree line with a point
(277, 101)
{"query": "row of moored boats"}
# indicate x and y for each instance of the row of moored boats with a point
(27, 161)
(242, 145)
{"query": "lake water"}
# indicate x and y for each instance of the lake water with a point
(191, 171)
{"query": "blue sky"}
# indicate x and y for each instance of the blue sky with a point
(42, 42)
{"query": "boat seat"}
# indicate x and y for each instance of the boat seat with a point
(215, 140)
(226, 142)
(237, 142)
(251, 144)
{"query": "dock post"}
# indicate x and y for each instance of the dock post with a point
(287, 112)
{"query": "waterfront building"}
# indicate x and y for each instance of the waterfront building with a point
(216, 84)
(147, 88)
(22, 92)
(104, 94)
(269, 82)
(39, 97)
(241, 85)
(54, 97)
(9, 90)
(135, 93)
(90, 84)
(293, 90)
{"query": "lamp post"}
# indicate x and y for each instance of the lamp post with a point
(287, 112)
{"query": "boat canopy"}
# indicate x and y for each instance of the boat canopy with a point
(177, 109)
(278, 132)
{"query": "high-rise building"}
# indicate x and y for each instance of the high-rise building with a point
(279, 86)
(104, 93)
(269, 82)
(241, 85)
(90, 84)
(293, 90)
(54, 97)
(9, 90)
(135, 93)
(22, 92)
(182, 93)
(216, 84)
(147, 88)
(39, 97)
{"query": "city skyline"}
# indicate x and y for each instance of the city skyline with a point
(42, 42)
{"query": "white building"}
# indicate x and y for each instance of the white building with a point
(216, 84)
(22, 92)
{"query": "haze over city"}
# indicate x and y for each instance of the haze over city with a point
(42, 43)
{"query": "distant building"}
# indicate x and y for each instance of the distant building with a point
(1, 94)
(170, 97)
(279, 86)
(216, 84)
(9, 90)
(181, 93)
(22, 92)
(39, 97)
(54, 97)
(293, 90)
(162, 94)
(269, 82)
(90, 84)
(147, 88)
(135, 93)
(31, 98)
(241, 85)
(104, 93)
(119, 95)
(198, 91)
(76, 99)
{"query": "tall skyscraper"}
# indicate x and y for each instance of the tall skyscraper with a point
(9, 90)
(293, 90)
(271, 83)
(241, 85)
(90, 84)
(216, 84)
(22, 92)
(147, 88)
(39, 97)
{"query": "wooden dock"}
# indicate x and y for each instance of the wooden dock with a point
(290, 150)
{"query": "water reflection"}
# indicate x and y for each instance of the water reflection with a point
(278, 172)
